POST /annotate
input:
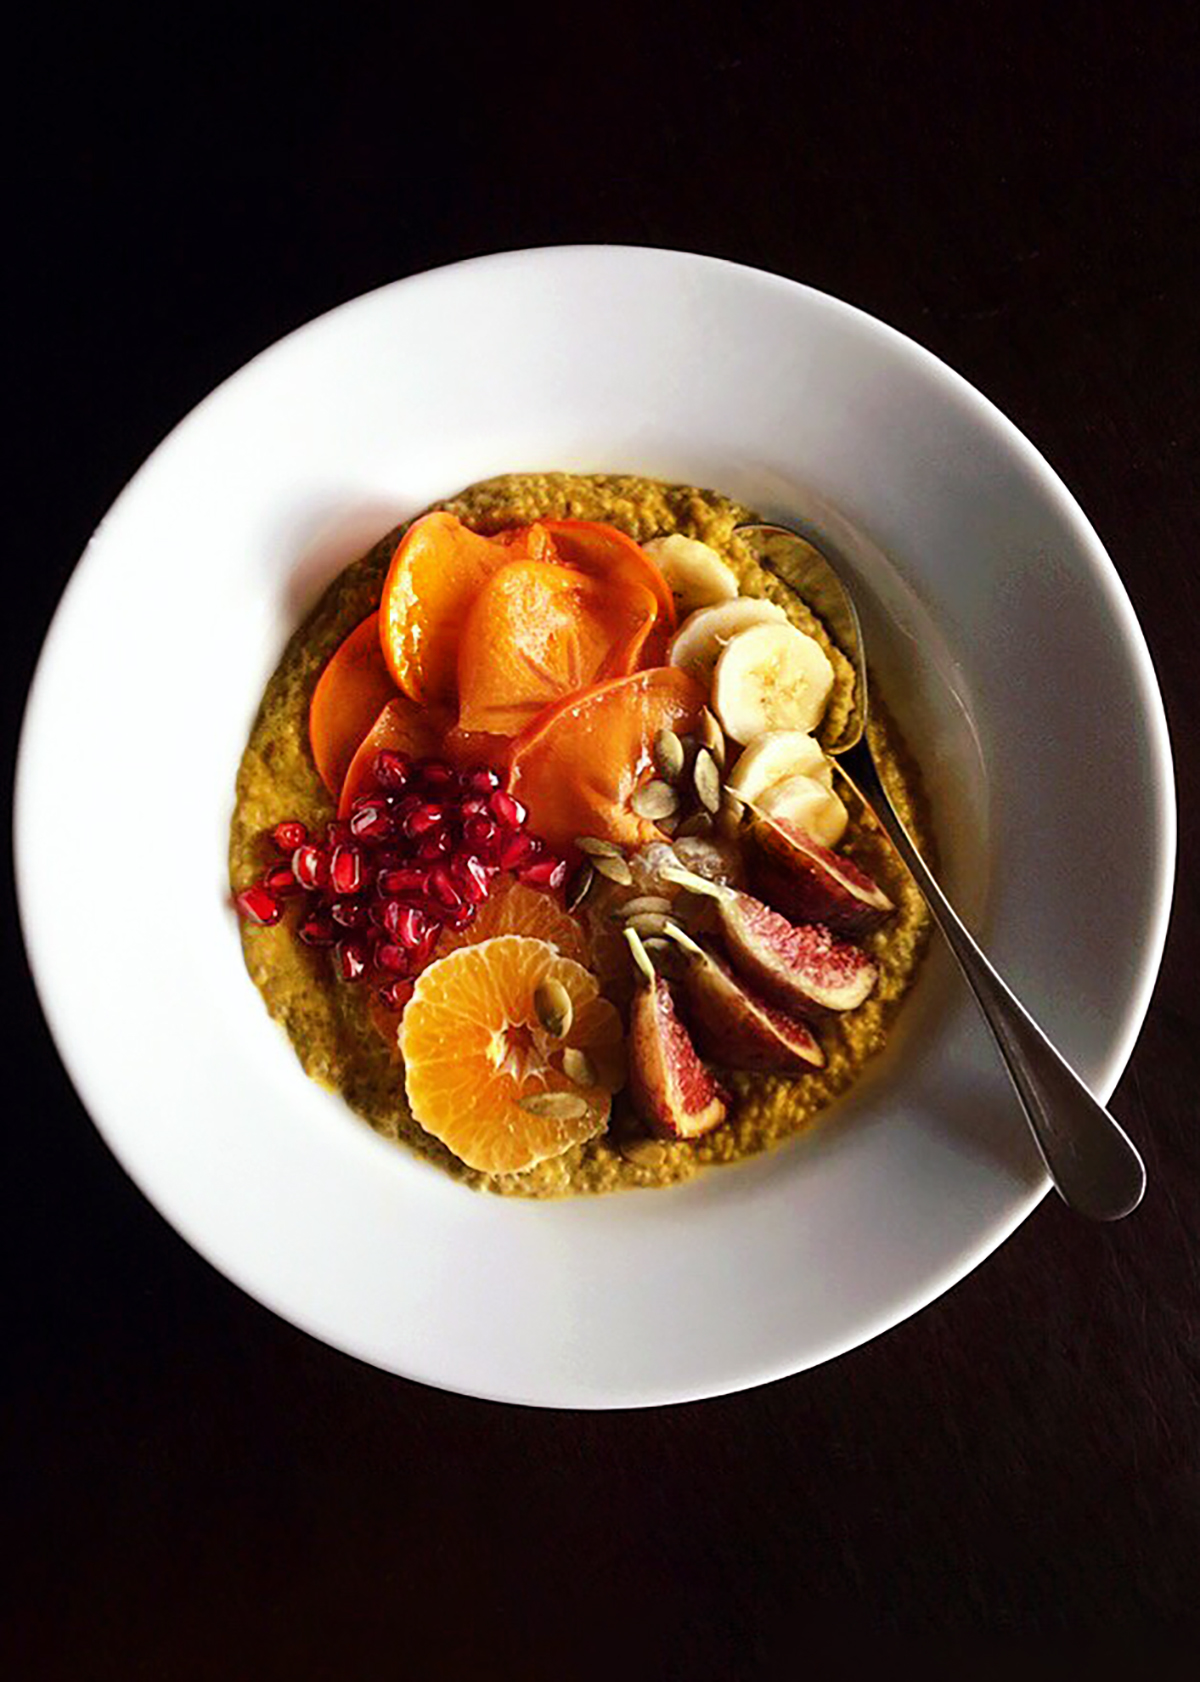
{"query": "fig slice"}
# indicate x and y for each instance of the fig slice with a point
(733, 1025)
(801, 967)
(671, 1089)
(808, 883)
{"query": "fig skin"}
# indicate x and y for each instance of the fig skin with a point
(807, 883)
(672, 1090)
(737, 1029)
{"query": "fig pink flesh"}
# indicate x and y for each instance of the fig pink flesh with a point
(809, 884)
(671, 1089)
(740, 1030)
(801, 967)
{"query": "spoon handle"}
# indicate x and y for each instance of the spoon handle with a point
(1094, 1166)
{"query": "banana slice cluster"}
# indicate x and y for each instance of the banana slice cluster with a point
(769, 686)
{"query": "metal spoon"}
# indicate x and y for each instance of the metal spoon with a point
(1094, 1166)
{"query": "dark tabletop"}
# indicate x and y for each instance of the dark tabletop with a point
(192, 1487)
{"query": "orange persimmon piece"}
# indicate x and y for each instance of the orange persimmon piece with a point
(604, 552)
(401, 727)
(349, 697)
(539, 632)
(578, 764)
(438, 569)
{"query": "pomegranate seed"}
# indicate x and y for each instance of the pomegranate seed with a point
(406, 879)
(508, 809)
(412, 925)
(483, 780)
(351, 960)
(434, 846)
(421, 954)
(281, 881)
(317, 929)
(393, 958)
(258, 905)
(544, 873)
(348, 913)
(475, 807)
(436, 775)
(310, 865)
(471, 875)
(389, 917)
(425, 817)
(346, 869)
(289, 835)
(517, 850)
(392, 770)
(372, 822)
(480, 831)
(396, 994)
(442, 888)
(337, 833)
(458, 918)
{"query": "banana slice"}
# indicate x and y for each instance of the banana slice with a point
(703, 635)
(777, 754)
(695, 574)
(770, 677)
(811, 805)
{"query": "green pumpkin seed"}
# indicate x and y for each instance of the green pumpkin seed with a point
(615, 869)
(643, 902)
(712, 737)
(644, 1153)
(655, 800)
(669, 756)
(577, 1066)
(553, 1005)
(700, 823)
(593, 845)
(708, 781)
(555, 1106)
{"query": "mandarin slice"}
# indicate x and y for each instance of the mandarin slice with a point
(513, 908)
(538, 632)
(438, 569)
(475, 1053)
(579, 763)
(349, 696)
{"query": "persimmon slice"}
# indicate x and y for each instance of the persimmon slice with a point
(350, 694)
(579, 763)
(602, 551)
(438, 569)
(402, 727)
(538, 632)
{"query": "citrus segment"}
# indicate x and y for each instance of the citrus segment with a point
(438, 569)
(350, 693)
(477, 1056)
(538, 632)
(513, 908)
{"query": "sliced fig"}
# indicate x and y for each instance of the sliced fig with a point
(809, 884)
(672, 1090)
(736, 1028)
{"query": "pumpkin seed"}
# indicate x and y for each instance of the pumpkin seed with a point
(669, 755)
(597, 848)
(649, 922)
(577, 1066)
(555, 1106)
(700, 823)
(708, 781)
(553, 1005)
(615, 869)
(640, 956)
(712, 737)
(643, 902)
(644, 1153)
(580, 886)
(655, 800)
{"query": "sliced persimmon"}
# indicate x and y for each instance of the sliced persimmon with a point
(438, 569)
(579, 763)
(530, 543)
(604, 552)
(402, 727)
(538, 632)
(350, 694)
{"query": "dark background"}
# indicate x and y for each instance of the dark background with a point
(191, 1486)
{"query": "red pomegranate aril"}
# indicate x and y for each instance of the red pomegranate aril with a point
(348, 913)
(436, 846)
(337, 833)
(412, 925)
(544, 873)
(351, 960)
(405, 879)
(480, 831)
(508, 809)
(393, 958)
(442, 888)
(472, 877)
(317, 929)
(257, 905)
(483, 780)
(346, 869)
(435, 775)
(475, 807)
(310, 865)
(280, 880)
(372, 823)
(516, 850)
(457, 917)
(396, 994)
(392, 770)
(289, 835)
(426, 816)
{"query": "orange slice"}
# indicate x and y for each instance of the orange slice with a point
(512, 908)
(475, 1053)
(349, 696)
(438, 569)
(401, 726)
(578, 765)
(538, 632)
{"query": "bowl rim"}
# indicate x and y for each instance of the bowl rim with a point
(1117, 602)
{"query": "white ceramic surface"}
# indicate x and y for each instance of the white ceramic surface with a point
(1004, 640)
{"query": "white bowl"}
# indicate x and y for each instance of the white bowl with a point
(1003, 639)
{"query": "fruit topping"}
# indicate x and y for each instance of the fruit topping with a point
(401, 734)
(770, 677)
(350, 694)
(807, 883)
(671, 1089)
(602, 552)
(806, 803)
(702, 637)
(733, 1026)
(696, 575)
